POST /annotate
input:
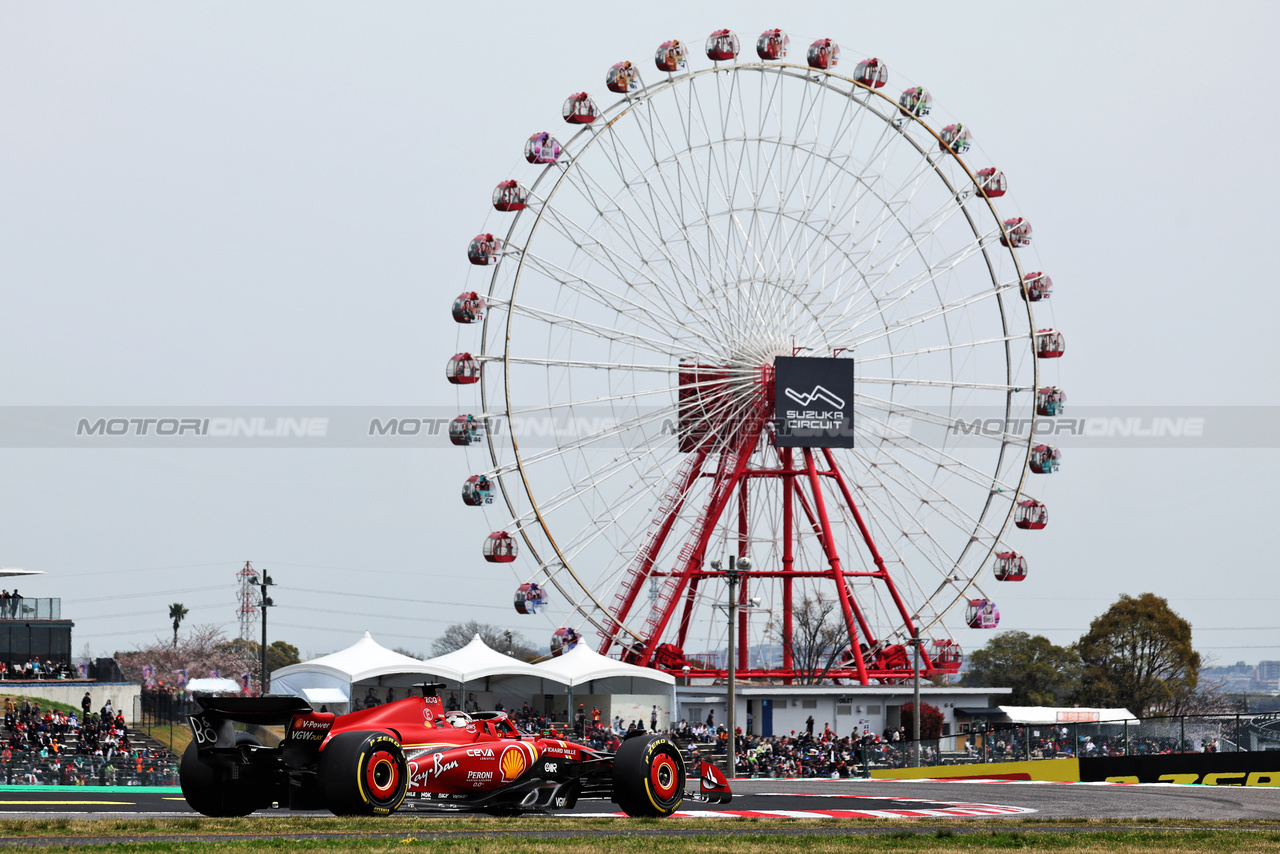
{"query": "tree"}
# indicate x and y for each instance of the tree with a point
(460, 634)
(816, 639)
(176, 612)
(281, 654)
(1039, 672)
(1138, 655)
(202, 650)
(930, 719)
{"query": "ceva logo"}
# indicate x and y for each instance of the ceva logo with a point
(818, 393)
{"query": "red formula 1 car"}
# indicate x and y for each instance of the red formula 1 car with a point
(369, 762)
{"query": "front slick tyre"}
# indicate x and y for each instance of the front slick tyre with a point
(648, 777)
(363, 773)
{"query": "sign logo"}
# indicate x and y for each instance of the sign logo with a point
(813, 402)
(512, 763)
(818, 393)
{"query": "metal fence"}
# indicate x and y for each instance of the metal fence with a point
(163, 716)
(989, 743)
(137, 768)
(1014, 742)
(30, 609)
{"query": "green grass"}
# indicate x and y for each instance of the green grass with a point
(46, 705)
(483, 835)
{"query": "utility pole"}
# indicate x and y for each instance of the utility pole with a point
(915, 706)
(264, 603)
(736, 566)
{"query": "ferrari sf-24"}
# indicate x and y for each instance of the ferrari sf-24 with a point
(369, 762)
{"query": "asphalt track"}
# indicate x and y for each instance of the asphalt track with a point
(961, 801)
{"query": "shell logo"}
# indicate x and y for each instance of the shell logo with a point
(512, 763)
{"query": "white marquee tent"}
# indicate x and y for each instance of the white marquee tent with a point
(329, 679)
(477, 660)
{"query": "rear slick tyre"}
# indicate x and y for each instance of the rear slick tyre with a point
(363, 773)
(648, 777)
(209, 794)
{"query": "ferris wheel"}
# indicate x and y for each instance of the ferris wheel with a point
(638, 355)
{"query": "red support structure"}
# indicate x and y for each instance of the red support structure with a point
(882, 572)
(728, 473)
(736, 465)
(743, 653)
(788, 559)
(837, 575)
(667, 514)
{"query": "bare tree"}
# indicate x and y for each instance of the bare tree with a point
(816, 639)
(460, 634)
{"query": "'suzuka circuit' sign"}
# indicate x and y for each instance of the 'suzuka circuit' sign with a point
(813, 402)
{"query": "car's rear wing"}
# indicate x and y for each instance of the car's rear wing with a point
(213, 729)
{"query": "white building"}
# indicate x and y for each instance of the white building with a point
(779, 709)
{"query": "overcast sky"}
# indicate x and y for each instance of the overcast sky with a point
(268, 204)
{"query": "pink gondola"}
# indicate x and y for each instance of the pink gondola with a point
(982, 614)
(542, 149)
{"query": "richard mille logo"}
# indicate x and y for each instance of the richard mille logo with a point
(818, 393)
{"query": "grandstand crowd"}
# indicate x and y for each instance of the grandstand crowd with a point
(54, 747)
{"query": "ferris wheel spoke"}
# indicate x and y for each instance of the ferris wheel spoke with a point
(929, 495)
(584, 441)
(583, 239)
(569, 363)
(960, 345)
(893, 408)
(597, 292)
(941, 310)
(655, 204)
(899, 381)
(937, 457)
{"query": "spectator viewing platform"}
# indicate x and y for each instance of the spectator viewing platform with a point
(23, 608)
